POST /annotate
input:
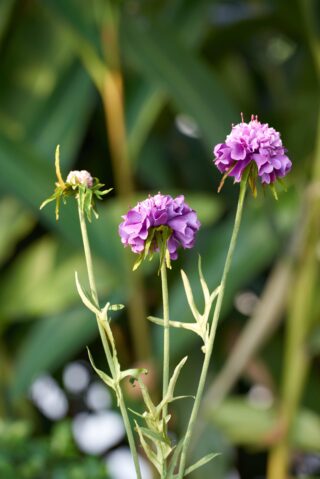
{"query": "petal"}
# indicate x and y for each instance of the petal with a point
(238, 151)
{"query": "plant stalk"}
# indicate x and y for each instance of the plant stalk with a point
(215, 319)
(166, 343)
(166, 333)
(106, 347)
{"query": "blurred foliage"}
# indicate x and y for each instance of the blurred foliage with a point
(188, 70)
(57, 457)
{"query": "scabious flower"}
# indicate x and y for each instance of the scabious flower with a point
(255, 144)
(79, 184)
(157, 218)
(82, 177)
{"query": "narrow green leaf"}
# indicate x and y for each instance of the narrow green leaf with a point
(86, 301)
(201, 462)
(156, 437)
(205, 289)
(189, 295)
(116, 307)
(138, 262)
(135, 373)
(186, 396)
(136, 413)
(105, 378)
(87, 203)
(155, 320)
(147, 399)
(175, 457)
(214, 294)
(177, 324)
(172, 383)
(147, 449)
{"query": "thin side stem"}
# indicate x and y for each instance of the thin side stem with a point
(106, 347)
(166, 342)
(215, 319)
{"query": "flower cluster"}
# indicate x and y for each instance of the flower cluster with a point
(159, 214)
(254, 144)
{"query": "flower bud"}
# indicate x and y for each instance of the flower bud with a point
(82, 177)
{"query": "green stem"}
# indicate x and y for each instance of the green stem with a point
(106, 347)
(166, 341)
(166, 332)
(215, 319)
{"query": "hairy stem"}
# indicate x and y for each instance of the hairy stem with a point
(106, 347)
(215, 319)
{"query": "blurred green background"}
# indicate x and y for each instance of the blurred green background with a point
(138, 93)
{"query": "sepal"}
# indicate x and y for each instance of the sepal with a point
(157, 241)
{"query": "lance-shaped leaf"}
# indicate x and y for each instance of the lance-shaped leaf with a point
(136, 413)
(147, 449)
(177, 324)
(185, 396)
(174, 460)
(105, 378)
(147, 399)
(87, 203)
(103, 321)
(204, 286)
(104, 312)
(116, 307)
(214, 293)
(138, 262)
(133, 373)
(201, 462)
(155, 436)
(172, 383)
(86, 301)
(189, 294)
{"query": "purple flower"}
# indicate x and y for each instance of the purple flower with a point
(153, 214)
(254, 143)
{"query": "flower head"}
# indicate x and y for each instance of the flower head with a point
(255, 144)
(82, 177)
(159, 221)
(79, 184)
